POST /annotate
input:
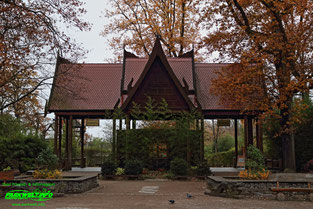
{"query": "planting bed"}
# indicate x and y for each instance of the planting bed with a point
(68, 184)
(280, 188)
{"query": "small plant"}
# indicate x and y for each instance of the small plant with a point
(255, 160)
(108, 167)
(203, 169)
(120, 171)
(179, 167)
(145, 171)
(168, 176)
(133, 167)
(47, 159)
(259, 175)
(7, 168)
(47, 174)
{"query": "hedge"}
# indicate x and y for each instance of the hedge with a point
(222, 159)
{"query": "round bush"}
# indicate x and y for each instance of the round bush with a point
(203, 169)
(133, 167)
(179, 167)
(108, 168)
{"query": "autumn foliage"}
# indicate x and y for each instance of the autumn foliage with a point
(134, 24)
(29, 41)
(271, 42)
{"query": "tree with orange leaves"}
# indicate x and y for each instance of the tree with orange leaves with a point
(29, 42)
(271, 41)
(134, 23)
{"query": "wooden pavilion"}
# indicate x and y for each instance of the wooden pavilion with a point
(82, 91)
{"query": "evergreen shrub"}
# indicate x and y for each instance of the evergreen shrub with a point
(179, 167)
(133, 167)
(108, 167)
(203, 169)
(222, 159)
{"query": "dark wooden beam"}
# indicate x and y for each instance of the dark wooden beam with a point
(127, 121)
(202, 140)
(259, 138)
(114, 140)
(82, 139)
(66, 145)
(250, 131)
(70, 139)
(236, 143)
(245, 135)
(134, 124)
(197, 124)
(56, 132)
(60, 139)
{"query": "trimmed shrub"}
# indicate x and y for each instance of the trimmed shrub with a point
(203, 169)
(222, 159)
(179, 167)
(133, 167)
(20, 152)
(108, 167)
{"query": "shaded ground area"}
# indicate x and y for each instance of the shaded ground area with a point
(153, 195)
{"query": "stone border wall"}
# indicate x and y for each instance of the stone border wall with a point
(260, 189)
(66, 185)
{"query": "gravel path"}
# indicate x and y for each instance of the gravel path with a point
(129, 195)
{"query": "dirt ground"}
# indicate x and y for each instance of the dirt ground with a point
(151, 195)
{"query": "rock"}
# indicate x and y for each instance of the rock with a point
(311, 197)
(281, 197)
(207, 191)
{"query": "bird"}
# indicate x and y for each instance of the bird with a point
(172, 201)
(189, 196)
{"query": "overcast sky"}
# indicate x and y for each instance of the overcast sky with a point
(91, 40)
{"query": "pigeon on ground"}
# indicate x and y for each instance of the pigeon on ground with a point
(189, 196)
(172, 201)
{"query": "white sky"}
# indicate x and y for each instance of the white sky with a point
(94, 43)
(91, 40)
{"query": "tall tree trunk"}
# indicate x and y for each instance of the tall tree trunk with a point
(288, 149)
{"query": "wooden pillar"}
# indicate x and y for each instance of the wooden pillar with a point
(70, 138)
(127, 121)
(250, 131)
(236, 143)
(66, 145)
(56, 133)
(259, 138)
(114, 140)
(82, 140)
(134, 124)
(245, 135)
(60, 139)
(202, 140)
(188, 156)
(197, 124)
(121, 124)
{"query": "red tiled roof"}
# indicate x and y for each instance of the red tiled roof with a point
(86, 87)
(205, 73)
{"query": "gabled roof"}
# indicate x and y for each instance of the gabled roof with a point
(98, 87)
(157, 52)
(87, 87)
